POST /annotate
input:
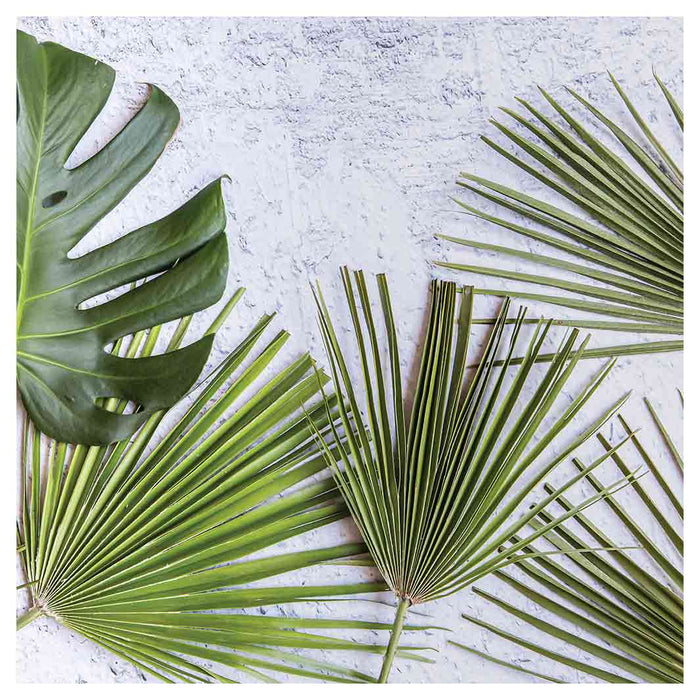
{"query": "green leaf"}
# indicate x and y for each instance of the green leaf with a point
(160, 550)
(65, 370)
(628, 606)
(432, 495)
(626, 229)
(505, 664)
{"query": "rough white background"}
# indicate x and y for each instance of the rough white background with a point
(343, 138)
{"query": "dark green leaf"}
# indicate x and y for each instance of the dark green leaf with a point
(64, 367)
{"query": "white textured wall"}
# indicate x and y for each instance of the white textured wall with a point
(343, 138)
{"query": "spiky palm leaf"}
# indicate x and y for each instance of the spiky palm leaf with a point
(634, 612)
(149, 551)
(430, 494)
(628, 235)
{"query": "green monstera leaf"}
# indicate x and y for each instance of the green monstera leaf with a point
(64, 364)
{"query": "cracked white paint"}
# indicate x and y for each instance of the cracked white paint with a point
(343, 138)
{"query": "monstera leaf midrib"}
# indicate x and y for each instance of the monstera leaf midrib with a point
(63, 361)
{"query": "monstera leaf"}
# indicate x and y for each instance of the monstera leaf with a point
(64, 369)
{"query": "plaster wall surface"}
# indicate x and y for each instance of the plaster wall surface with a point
(343, 139)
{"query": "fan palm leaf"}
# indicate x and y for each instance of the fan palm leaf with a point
(433, 488)
(627, 236)
(152, 547)
(635, 616)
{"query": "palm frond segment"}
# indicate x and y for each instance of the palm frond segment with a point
(627, 235)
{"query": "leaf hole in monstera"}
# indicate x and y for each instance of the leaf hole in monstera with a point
(53, 199)
(114, 404)
(125, 101)
(116, 292)
(109, 295)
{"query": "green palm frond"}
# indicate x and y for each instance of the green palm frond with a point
(151, 547)
(433, 488)
(633, 612)
(627, 236)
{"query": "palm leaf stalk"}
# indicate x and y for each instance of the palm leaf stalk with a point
(151, 547)
(628, 236)
(433, 488)
(633, 612)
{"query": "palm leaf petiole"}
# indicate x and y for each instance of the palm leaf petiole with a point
(28, 617)
(396, 630)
